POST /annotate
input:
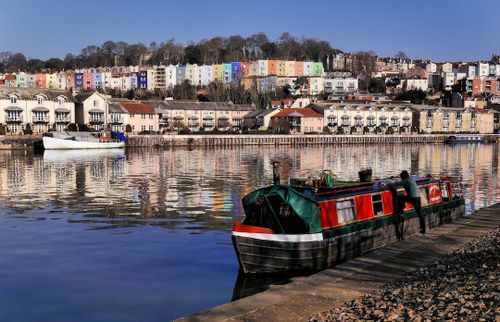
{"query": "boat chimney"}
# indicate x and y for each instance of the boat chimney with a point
(276, 173)
(365, 175)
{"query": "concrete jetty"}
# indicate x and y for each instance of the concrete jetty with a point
(307, 296)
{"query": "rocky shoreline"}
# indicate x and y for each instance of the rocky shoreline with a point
(463, 285)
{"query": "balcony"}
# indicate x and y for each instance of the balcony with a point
(96, 120)
(41, 119)
(14, 118)
(116, 120)
(62, 119)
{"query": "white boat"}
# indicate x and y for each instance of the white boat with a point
(80, 140)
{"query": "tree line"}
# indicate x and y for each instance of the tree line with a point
(216, 50)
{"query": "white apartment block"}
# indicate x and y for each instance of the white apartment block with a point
(341, 85)
(416, 84)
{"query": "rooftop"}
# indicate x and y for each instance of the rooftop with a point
(30, 93)
(304, 112)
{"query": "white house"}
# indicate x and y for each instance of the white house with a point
(42, 109)
(91, 109)
(171, 76)
(483, 69)
(448, 81)
(431, 68)
(416, 84)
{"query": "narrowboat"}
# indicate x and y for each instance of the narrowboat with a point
(309, 227)
(464, 138)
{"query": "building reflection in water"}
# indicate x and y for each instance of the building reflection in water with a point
(201, 189)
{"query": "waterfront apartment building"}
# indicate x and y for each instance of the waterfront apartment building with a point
(42, 109)
(353, 118)
(200, 116)
(434, 119)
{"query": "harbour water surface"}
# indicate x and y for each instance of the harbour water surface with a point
(144, 235)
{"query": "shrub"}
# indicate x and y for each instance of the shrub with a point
(3, 130)
(28, 130)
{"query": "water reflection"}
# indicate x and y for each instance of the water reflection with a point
(160, 220)
(202, 188)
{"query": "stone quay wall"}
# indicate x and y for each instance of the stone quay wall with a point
(22, 142)
(223, 140)
(18, 142)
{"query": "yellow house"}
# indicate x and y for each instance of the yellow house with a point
(217, 73)
(51, 81)
(289, 68)
(280, 68)
(434, 119)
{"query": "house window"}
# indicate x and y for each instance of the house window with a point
(132, 115)
(96, 103)
(13, 99)
(151, 116)
(151, 128)
(39, 100)
(143, 116)
(143, 127)
(345, 211)
(378, 209)
(61, 101)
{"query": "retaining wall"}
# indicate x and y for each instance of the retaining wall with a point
(18, 142)
(223, 140)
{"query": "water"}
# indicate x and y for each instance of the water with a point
(144, 235)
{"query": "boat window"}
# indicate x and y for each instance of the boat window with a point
(378, 209)
(444, 191)
(345, 211)
(424, 195)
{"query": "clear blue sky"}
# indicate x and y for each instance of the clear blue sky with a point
(436, 29)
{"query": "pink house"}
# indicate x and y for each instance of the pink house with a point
(297, 121)
(141, 116)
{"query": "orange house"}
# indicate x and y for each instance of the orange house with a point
(486, 85)
(272, 65)
(40, 81)
(87, 81)
(246, 68)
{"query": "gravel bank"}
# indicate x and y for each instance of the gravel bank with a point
(463, 285)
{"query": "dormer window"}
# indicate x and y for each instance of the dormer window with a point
(13, 99)
(61, 100)
(39, 100)
(96, 103)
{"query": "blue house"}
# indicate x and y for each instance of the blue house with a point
(142, 80)
(97, 81)
(78, 81)
(236, 72)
